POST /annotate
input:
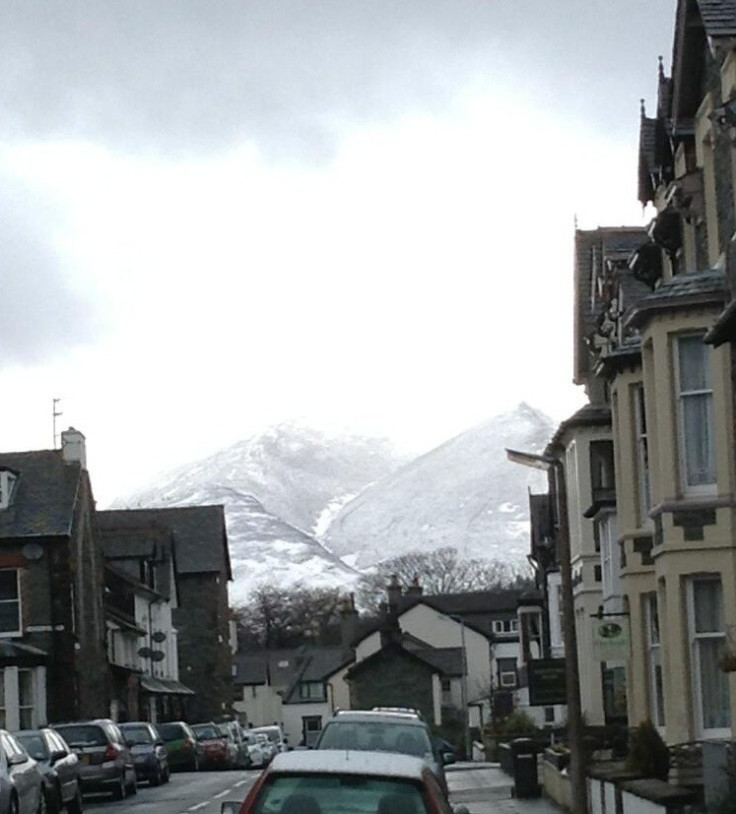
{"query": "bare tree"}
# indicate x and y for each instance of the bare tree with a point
(442, 571)
(278, 617)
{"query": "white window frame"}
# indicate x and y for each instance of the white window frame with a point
(499, 626)
(643, 476)
(8, 634)
(507, 679)
(657, 712)
(694, 638)
(610, 571)
(696, 488)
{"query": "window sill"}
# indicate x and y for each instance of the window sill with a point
(690, 502)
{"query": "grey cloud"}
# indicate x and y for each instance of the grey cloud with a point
(202, 75)
(40, 313)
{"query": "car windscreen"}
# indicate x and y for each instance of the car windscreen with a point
(83, 735)
(273, 733)
(137, 735)
(171, 732)
(376, 736)
(338, 793)
(206, 732)
(34, 745)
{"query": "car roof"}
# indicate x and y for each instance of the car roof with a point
(345, 761)
(372, 716)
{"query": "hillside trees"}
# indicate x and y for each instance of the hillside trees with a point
(442, 571)
(288, 617)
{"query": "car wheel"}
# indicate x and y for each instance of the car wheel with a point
(133, 786)
(167, 775)
(76, 804)
(156, 778)
(41, 801)
(118, 790)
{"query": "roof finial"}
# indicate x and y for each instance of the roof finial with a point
(643, 109)
(661, 67)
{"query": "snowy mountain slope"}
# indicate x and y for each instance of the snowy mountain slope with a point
(294, 471)
(464, 493)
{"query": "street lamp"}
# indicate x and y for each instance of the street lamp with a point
(556, 468)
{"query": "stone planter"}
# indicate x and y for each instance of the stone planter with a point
(560, 760)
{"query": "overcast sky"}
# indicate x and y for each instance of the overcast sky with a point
(220, 215)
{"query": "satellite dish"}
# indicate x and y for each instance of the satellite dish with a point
(158, 655)
(158, 636)
(145, 652)
(32, 551)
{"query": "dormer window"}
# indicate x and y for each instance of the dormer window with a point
(7, 482)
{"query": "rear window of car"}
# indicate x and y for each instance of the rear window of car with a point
(171, 732)
(136, 735)
(83, 735)
(376, 736)
(273, 733)
(337, 793)
(34, 745)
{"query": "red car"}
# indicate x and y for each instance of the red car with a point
(215, 751)
(330, 781)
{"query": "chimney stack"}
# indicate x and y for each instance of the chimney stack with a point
(393, 592)
(415, 589)
(73, 448)
(348, 621)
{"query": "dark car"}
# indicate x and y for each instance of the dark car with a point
(216, 753)
(383, 731)
(59, 767)
(21, 781)
(184, 751)
(316, 782)
(149, 752)
(104, 756)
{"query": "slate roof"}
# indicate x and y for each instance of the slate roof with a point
(590, 415)
(448, 660)
(719, 17)
(44, 495)
(286, 668)
(200, 536)
(393, 647)
(682, 291)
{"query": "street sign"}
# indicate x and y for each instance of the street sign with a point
(547, 682)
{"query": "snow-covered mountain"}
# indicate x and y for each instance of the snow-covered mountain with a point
(464, 493)
(297, 473)
(304, 507)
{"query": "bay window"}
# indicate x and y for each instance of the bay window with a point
(695, 413)
(707, 638)
(654, 654)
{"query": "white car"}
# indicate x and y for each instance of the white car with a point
(256, 751)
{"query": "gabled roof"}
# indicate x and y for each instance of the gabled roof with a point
(200, 535)
(44, 495)
(392, 647)
(477, 609)
(285, 669)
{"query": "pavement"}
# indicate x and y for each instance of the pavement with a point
(484, 789)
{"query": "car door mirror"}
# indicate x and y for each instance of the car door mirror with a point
(57, 755)
(17, 758)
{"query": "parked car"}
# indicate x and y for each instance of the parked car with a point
(150, 757)
(105, 758)
(270, 750)
(21, 781)
(237, 751)
(257, 754)
(309, 782)
(183, 749)
(275, 735)
(215, 751)
(59, 766)
(383, 731)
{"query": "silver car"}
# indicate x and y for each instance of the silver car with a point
(105, 758)
(21, 782)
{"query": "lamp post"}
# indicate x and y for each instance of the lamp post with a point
(555, 467)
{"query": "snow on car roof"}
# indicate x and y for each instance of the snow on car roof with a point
(345, 761)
